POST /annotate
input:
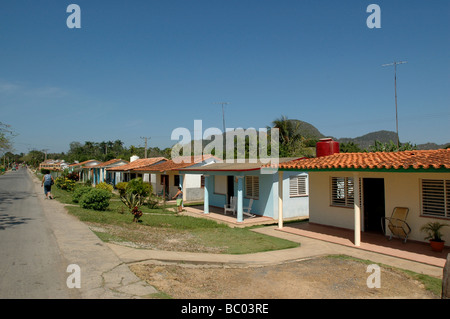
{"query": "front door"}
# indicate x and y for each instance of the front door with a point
(230, 187)
(374, 204)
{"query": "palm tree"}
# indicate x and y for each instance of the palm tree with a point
(290, 138)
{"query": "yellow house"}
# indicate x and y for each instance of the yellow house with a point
(357, 190)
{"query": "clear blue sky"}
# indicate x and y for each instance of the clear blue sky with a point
(144, 68)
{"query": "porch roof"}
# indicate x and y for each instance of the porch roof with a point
(110, 162)
(177, 164)
(248, 165)
(410, 161)
(141, 162)
(89, 163)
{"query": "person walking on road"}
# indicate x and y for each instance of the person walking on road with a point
(47, 182)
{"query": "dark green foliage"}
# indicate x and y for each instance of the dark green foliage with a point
(80, 191)
(97, 199)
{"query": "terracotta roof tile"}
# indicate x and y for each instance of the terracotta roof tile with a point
(141, 162)
(424, 159)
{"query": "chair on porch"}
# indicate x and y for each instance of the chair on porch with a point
(248, 209)
(231, 207)
(397, 223)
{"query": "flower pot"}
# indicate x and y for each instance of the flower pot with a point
(437, 245)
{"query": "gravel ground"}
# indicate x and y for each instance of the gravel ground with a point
(323, 278)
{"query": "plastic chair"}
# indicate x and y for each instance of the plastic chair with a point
(231, 207)
(248, 209)
(397, 223)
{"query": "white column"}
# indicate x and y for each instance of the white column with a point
(206, 196)
(280, 199)
(357, 209)
(240, 198)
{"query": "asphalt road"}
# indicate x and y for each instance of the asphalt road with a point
(31, 265)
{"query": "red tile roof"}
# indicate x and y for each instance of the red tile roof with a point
(176, 164)
(141, 162)
(424, 159)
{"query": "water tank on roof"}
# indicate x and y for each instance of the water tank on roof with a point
(133, 158)
(326, 146)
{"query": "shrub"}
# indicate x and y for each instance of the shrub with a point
(97, 199)
(105, 186)
(80, 191)
(73, 176)
(65, 183)
(138, 187)
(122, 188)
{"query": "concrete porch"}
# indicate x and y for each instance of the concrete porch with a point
(217, 214)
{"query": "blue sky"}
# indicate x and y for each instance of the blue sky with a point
(143, 68)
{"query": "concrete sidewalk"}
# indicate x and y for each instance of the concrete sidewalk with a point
(103, 274)
(309, 248)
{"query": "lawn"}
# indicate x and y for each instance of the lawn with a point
(164, 229)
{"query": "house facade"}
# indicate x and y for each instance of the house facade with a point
(125, 173)
(100, 173)
(250, 182)
(168, 176)
(84, 169)
(357, 190)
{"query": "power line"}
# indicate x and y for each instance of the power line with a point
(395, 86)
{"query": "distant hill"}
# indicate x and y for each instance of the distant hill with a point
(308, 130)
(369, 139)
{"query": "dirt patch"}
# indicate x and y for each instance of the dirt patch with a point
(323, 277)
(157, 238)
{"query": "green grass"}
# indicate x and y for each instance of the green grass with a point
(432, 284)
(206, 232)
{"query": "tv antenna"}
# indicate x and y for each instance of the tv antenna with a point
(395, 86)
(223, 113)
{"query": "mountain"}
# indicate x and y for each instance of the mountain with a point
(369, 139)
(307, 130)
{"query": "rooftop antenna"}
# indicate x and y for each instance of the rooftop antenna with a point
(395, 85)
(223, 113)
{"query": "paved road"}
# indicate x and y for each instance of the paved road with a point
(31, 265)
(39, 240)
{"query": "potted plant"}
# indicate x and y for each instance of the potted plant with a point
(434, 235)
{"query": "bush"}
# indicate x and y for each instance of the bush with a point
(65, 184)
(105, 186)
(138, 187)
(80, 191)
(97, 199)
(73, 176)
(122, 188)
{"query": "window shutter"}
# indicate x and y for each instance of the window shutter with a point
(297, 186)
(435, 194)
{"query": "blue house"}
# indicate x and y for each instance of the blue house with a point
(253, 183)
(100, 173)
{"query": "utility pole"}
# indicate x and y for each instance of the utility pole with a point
(145, 150)
(395, 87)
(45, 151)
(223, 113)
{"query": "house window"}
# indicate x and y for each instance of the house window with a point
(342, 191)
(297, 186)
(176, 180)
(164, 179)
(252, 187)
(436, 198)
(202, 181)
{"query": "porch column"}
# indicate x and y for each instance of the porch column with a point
(240, 198)
(357, 209)
(280, 199)
(206, 196)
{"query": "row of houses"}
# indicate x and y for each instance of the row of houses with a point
(347, 190)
